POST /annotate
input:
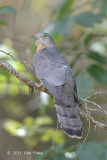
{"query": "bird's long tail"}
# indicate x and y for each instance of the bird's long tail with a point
(68, 119)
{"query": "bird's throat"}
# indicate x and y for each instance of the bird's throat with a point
(41, 46)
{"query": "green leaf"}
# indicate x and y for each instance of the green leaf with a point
(88, 38)
(95, 3)
(58, 148)
(93, 151)
(5, 73)
(84, 83)
(29, 120)
(44, 120)
(11, 126)
(98, 73)
(6, 9)
(2, 23)
(4, 77)
(51, 154)
(59, 26)
(88, 19)
(97, 57)
(57, 37)
(103, 7)
(63, 8)
(3, 88)
(49, 135)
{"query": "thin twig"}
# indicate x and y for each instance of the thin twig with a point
(84, 139)
(98, 124)
(23, 79)
(55, 135)
(34, 85)
(95, 93)
(91, 109)
(86, 100)
(82, 113)
(23, 62)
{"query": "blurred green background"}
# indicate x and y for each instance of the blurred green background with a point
(29, 123)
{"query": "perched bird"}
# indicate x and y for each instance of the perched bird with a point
(56, 76)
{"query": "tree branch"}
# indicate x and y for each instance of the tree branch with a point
(23, 79)
(33, 86)
(98, 124)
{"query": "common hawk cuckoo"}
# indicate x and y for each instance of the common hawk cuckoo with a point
(56, 76)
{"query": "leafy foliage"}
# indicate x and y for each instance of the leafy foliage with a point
(97, 57)
(62, 9)
(88, 19)
(98, 73)
(6, 9)
(103, 7)
(65, 19)
(31, 128)
(84, 77)
(79, 34)
(2, 23)
(90, 151)
(94, 151)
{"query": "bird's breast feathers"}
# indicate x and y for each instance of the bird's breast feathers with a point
(50, 70)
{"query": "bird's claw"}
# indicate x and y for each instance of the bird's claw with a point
(40, 85)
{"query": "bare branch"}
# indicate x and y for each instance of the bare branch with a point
(98, 124)
(23, 79)
(82, 113)
(86, 100)
(32, 85)
(95, 93)
(23, 62)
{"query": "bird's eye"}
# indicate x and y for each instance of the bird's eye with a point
(44, 36)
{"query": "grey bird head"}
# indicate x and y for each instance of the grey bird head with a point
(43, 40)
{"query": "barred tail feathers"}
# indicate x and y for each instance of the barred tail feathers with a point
(68, 119)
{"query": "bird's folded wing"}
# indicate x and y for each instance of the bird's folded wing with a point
(57, 77)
